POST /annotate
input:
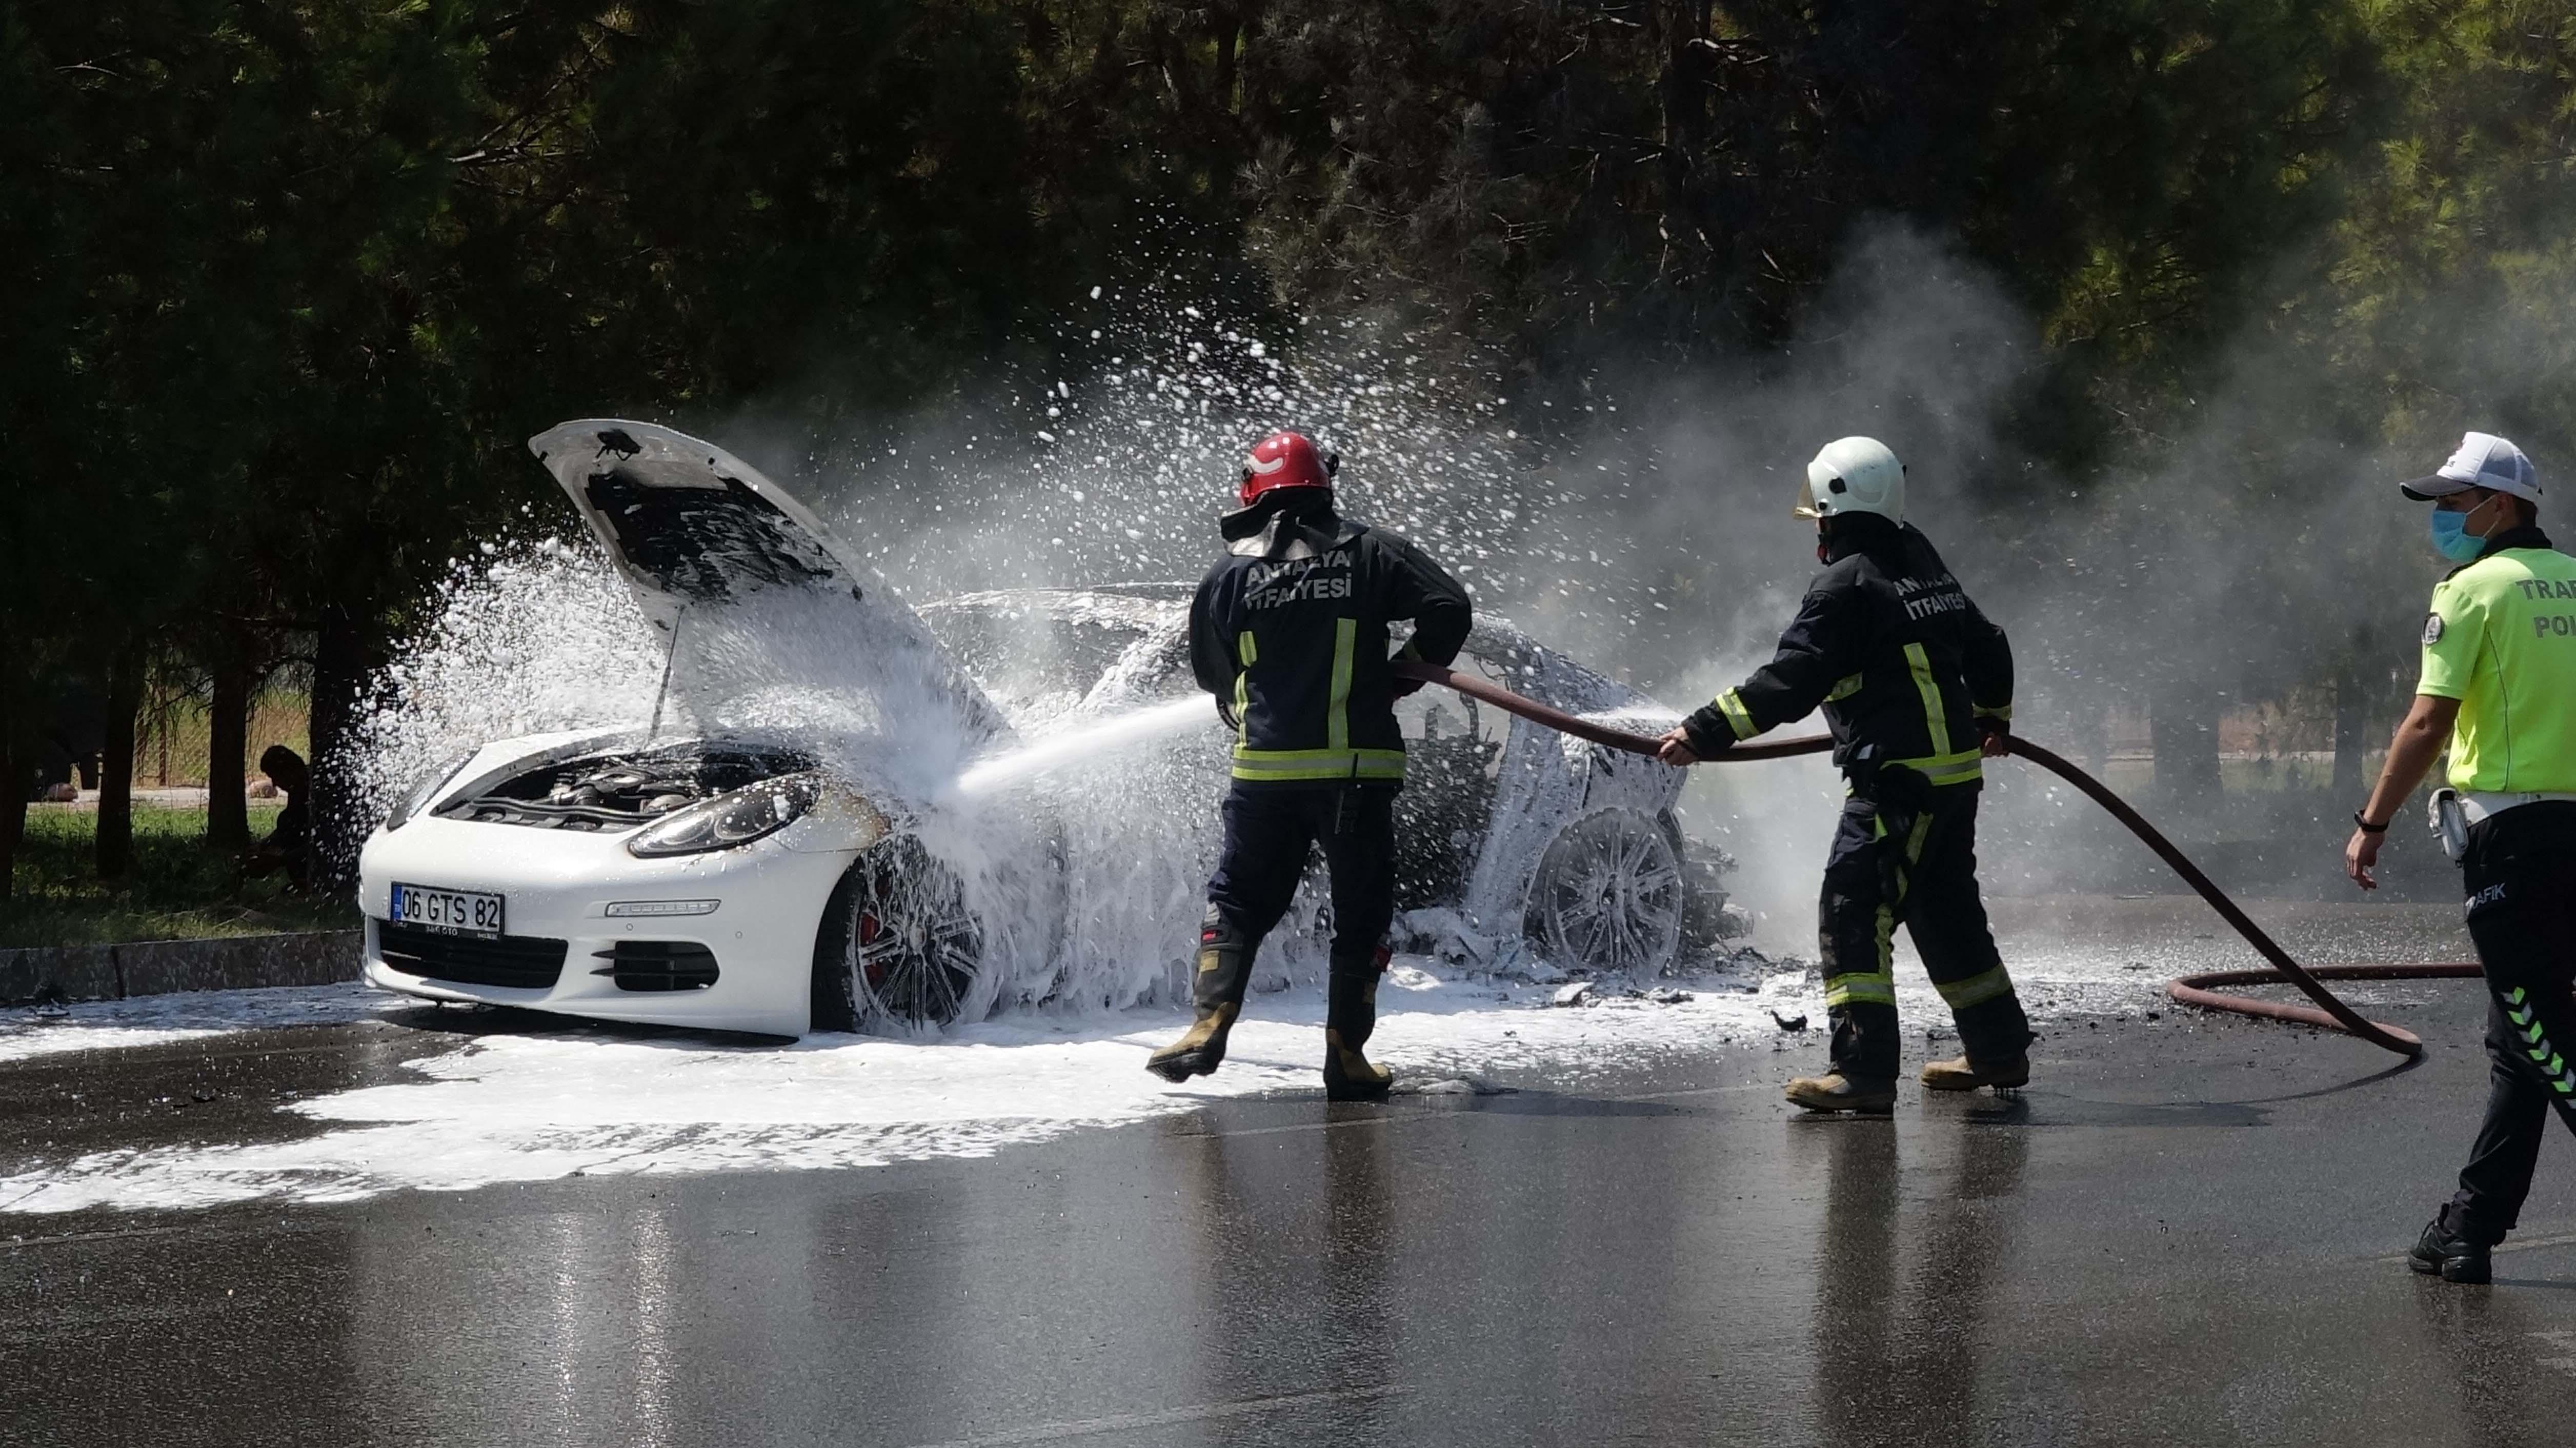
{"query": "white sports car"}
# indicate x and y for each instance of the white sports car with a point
(764, 874)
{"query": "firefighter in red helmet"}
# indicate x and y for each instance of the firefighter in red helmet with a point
(1289, 631)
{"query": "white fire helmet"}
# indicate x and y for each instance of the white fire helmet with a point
(1854, 475)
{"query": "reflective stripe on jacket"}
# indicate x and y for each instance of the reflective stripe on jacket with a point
(1893, 649)
(1290, 629)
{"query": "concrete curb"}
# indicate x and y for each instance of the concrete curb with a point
(158, 967)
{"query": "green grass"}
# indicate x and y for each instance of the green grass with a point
(178, 890)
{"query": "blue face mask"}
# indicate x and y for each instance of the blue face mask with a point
(2452, 538)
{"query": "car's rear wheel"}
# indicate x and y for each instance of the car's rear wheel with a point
(898, 953)
(1608, 896)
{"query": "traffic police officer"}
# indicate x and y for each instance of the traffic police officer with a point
(2499, 686)
(1289, 631)
(1916, 686)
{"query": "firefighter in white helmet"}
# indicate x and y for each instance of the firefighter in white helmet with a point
(1917, 687)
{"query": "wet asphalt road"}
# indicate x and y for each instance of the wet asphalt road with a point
(2184, 1233)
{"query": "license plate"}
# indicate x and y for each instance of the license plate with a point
(449, 912)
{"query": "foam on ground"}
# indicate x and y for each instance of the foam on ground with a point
(515, 1106)
(522, 1103)
(156, 1020)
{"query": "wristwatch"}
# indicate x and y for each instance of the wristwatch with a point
(2366, 827)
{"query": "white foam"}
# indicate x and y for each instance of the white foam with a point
(533, 1107)
(1093, 742)
(537, 638)
(517, 1106)
(526, 640)
(187, 1015)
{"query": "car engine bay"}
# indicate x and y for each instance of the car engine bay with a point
(621, 790)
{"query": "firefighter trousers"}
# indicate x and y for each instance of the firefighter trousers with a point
(1911, 864)
(1269, 832)
(2522, 917)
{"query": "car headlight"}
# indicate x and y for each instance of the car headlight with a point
(738, 818)
(417, 798)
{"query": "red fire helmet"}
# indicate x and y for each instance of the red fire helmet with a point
(1284, 460)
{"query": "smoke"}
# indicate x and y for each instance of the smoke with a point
(1636, 517)
(1703, 561)
(2238, 548)
(1639, 521)
(2234, 548)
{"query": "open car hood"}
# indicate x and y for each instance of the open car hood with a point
(690, 527)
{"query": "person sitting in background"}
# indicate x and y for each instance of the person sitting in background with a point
(284, 849)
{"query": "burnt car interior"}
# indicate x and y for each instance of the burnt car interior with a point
(1453, 753)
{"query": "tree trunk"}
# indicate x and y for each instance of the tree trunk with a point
(1229, 33)
(2349, 724)
(335, 820)
(227, 728)
(116, 765)
(2185, 731)
(14, 772)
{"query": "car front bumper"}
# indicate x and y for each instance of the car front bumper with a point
(558, 885)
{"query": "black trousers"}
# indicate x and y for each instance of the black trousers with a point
(2520, 873)
(1912, 864)
(1269, 831)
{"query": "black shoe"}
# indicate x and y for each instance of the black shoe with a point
(2444, 1252)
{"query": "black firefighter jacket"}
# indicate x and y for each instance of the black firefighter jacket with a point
(1289, 631)
(1886, 640)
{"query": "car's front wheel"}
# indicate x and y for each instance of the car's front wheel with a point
(1608, 896)
(899, 953)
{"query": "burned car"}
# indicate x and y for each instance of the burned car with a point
(786, 864)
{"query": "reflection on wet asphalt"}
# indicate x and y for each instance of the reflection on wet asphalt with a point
(2180, 1235)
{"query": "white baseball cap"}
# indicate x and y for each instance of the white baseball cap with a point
(2483, 461)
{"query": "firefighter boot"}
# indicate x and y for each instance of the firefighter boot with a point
(2446, 1252)
(1834, 1091)
(1350, 1017)
(1201, 1048)
(1966, 1073)
(1224, 969)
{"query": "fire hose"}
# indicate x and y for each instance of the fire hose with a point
(2330, 1011)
